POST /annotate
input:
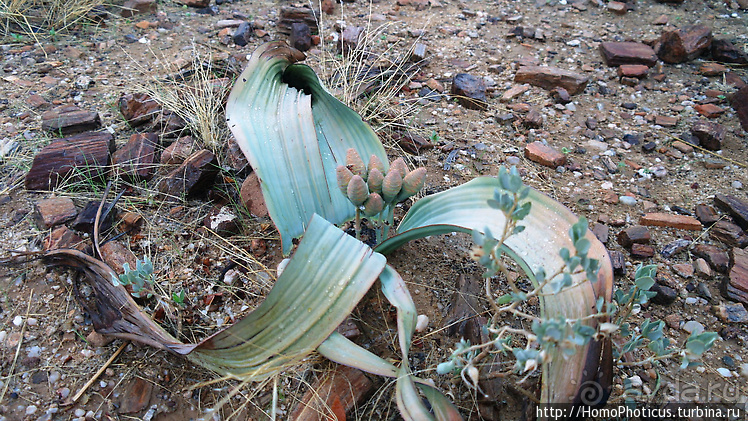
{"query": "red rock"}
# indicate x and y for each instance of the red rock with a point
(729, 234)
(333, 395)
(735, 207)
(138, 109)
(684, 270)
(617, 7)
(37, 102)
(135, 161)
(633, 70)
(63, 238)
(661, 20)
(732, 79)
(560, 95)
(470, 91)
(97, 340)
(115, 254)
(548, 78)
(740, 103)
(670, 220)
(544, 155)
(618, 53)
(706, 214)
(86, 153)
(738, 277)
(701, 268)
(328, 6)
(666, 121)
(642, 250)
(411, 142)
(725, 51)
(715, 256)
(252, 198)
(222, 220)
(636, 234)
(684, 44)
(195, 3)
(194, 176)
(291, 14)
(709, 110)
(70, 119)
(682, 147)
(710, 134)
(178, 151)
(135, 7)
(54, 211)
(514, 92)
(533, 119)
(712, 69)
(136, 397)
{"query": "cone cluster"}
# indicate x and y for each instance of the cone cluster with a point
(372, 187)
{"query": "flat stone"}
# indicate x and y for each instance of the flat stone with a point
(729, 234)
(669, 220)
(514, 92)
(411, 142)
(178, 151)
(675, 247)
(54, 211)
(470, 91)
(548, 78)
(707, 215)
(666, 121)
(633, 70)
(709, 110)
(636, 234)
(251, 196)
(693, 327)
(137, 394)
(738, 276)
(63, 238)
(86, 218)
(712, 69)
(673, 321)
(618, 53)
(682, 147)
(69, 119)
(710, 134)
(135, 161)
(333, 394)
(195, 3)
(683, 270)
(193, 176)
(685, 44)
(642, 250)
(725, 51)
(715, 256)
(617, 7)
(544, 155)
(735, 207)
(115, 255)
(702, 269)
(601, 231)
(138, 109)
(739, 102)
(533, 119)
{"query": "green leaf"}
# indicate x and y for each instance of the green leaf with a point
(295, 134)
(645, 283)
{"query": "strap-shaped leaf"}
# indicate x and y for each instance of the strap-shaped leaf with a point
(294, 134)
(465, 208)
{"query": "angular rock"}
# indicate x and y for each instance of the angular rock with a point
(618, 261)
(135, 161)
(633, 70)
(706, 214)
(138, 108)
(411, 142)
(548, 78)
(470, 91)
(738, 277)
(243, 34)
(735, 207)
(712, 69)
(684, 270)
(70, 119)
(137, 396)
(709, 110)
(63, 238)
(685, 44)
(54, 211)
(560, 95)
(289, 15)
(729, 234)
(195, 3)
(223, 221)
(669, 220)
(666, 121)
(178, 151)
(710, 134)
(682, 147)
(251, 196)
(419, 53)
(544, 155)
(301, 36)
(136, 7)
(634, 235)
(350, 38)
(86, 218)
(617, 7)
(643, 251)
(115, 254)
(725, 51)
(665, 295)
(193, 176)
(739, 102)
(601, 231)
(328, 6)
(333, 394)
(72, 159)
(715, 256)
(533, 119)
(618, 53)
(675, 247)
(702, 269)
(234, 159)
(732, 313)
(514, 92)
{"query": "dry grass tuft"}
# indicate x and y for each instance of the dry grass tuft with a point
(44, 18)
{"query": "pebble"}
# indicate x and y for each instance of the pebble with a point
(34, 351)
(64, 393)
(694, 327)
(422, 323)
(513, 160)
(744, 370)
(724, 372)
(627, 200)
(636, 381)
(30, 409)
(54, 377)
(18, 321)
(737, 185)
(80, 412)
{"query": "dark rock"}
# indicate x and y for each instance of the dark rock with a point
(560, 95)
(729, 234)
(735, 207)
(243, 34)
(136, 7)
(685, 44)
(636, 234)
(703, 291)
(138, 109)
(178, 151)
(732, 313)
(350, 38)
(54, 211)
(629, 105)
(707, 215)
(632, 139)
(301, 36)
(725, 51)
(642, 250)
(135, 161)
(168, 124)
(715, 256)
(710, 134)
(665, 295)
(470, 91)
(618, 53)
(419, 53)
(618, 261)
(638, 71)
(86, 218)
(548, 78)
(251, 196)
(290, 15)
(739, 102)
(609, 165)
(69, 119)
(533, 119)
(675, 247)
(649, 147)
(137, 395)
(222, 220)
(411, 142)
(193, 176)
(72, 159)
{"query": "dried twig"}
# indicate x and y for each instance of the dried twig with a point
(98, 373)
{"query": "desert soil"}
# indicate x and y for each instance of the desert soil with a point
(47, 349)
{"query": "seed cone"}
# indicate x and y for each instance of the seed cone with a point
(354, 163)
(400, 166)
(357, 190)
(391, 185)
(375, 163)
(375, 180)
(413, 182)
(344, 176)
(373, 205)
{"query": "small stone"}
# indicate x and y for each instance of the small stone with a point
(709, 110)
(675, 247)
(729, 234)
(422, 323)
(682, 146)
(135, 160)
(685, 44)
(561, 95)
(301, 36)
(243, 34)
(419, 53)
(193, 176)
(725, 51)
(735, 207)
(627, 200)
(684, 270)
(716, 257)
(533, 119)
(673, 321)
(732, 313)
(738, 277)
(665, 295)
(135, 7)
(618, 53)
(251, 196)
(136, 396)
(470, 91)
(712, 69)
(18, 321)
(69, 119)
(222, 220)
(544, 155)
(97, 340)
(633, 70)
(617, 7)
(642, 250)
(707, 215)
(86, 218)
(724, 372)
(350, 39)
(115, 254)
(551, 77)
(54, 211)
(514, 92)
(31, 409)
(634, 235)
(672, 221)
(666, 121)
(618, 261)
(649, 147)
(138, 109)
(63, 238)
(178, 151)
(693, 327)
(601, 232)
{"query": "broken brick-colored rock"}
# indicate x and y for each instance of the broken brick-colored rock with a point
(115, 254)
(138, 109)
(194, 176)
(178, 151)
(69, 119)
(702, 269)
(135, 161)
(683, 269)
(618, 53)
(136, 396)
(666, 121)
(548, 78)
(617, 7)
(636, 234)
(544, 155)
(737, 284)
(685, 44)
(712, 69)
(642, 250)
(725, 51)
(195, 3)
(715, 256)
(86, 153)
(37, 102)
(333, 395)
(618, 261)
(411, 142)
(136, 7)
(710, 134)
(251, 195)
(709, 110)
(533, 119)
(514, 92)
(63, 238)
(729, 234)
(739, 102)
(735, 207)
(54, 211)
(234, 158)
(470, 91)
(706, 214)
(682, 146)
(633, 70)
(670, 220)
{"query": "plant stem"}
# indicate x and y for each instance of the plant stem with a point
(357, 223)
